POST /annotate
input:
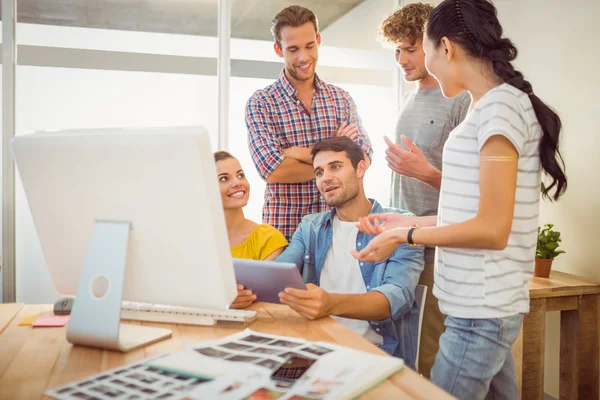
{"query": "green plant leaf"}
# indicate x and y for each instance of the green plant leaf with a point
(547, 242)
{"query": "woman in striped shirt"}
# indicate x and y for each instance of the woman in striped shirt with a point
(486, 227)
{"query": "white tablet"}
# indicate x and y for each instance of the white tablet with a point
(267, 278)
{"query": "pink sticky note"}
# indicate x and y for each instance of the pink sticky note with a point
(51, 321)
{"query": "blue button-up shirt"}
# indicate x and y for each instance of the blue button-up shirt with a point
(396, 278)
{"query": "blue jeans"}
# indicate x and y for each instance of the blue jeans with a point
(475, 359)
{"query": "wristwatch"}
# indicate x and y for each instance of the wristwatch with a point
(409, 238)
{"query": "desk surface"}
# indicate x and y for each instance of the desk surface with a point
(7, 313)
(33, 360)
(561, 284)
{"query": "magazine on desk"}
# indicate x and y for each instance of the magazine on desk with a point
(246, 365)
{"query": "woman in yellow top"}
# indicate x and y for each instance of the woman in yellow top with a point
(247, 239)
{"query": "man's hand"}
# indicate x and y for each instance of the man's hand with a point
(411, 163)
(312, 303)
(244, 298)
(350, 130)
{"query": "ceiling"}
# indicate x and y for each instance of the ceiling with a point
(250, 19)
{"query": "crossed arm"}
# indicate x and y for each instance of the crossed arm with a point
(297, 165)
(294, 164)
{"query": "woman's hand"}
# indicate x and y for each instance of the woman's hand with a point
(382, 247)
(244, 298)
(374, 224)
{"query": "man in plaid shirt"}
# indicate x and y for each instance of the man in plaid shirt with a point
(287, 118)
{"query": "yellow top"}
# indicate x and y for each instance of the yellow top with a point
(263, 240)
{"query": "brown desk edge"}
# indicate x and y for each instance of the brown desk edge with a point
(560, 282)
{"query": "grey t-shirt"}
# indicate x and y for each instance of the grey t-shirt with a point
(426, 118)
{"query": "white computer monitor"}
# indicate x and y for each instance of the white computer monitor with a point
(127, 214)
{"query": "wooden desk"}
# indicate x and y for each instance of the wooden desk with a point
(7, 313)
(33, 360)
(577, 300)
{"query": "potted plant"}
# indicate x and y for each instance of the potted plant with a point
(547, 245)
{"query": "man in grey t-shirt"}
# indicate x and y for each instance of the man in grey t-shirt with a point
(424, 123)
(425, 120)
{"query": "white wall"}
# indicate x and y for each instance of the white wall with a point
(557, 54)
(358, 29)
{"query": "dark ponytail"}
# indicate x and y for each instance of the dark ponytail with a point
(474, 26)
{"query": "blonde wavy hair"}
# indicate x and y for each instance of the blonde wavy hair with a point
(407, 23)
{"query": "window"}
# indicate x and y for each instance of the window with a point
(112, 67)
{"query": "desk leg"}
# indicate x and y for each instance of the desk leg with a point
(588, 347)
(569, 357)
(534, 333)
(579, 350)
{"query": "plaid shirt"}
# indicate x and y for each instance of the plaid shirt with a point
(277, 119)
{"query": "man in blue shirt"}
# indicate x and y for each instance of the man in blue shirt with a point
(375, 300)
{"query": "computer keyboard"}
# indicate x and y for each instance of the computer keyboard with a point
(183, 315)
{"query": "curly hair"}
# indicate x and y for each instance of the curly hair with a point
(407, 23)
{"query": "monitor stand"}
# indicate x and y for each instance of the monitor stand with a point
(96, 315)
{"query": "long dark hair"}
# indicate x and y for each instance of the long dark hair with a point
(474, 26)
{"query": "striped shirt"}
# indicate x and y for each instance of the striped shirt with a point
(277, 119)
(489, 283)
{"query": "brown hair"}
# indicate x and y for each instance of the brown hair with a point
(407, 23)
(222, 155)
(340, 144)
(293, 16)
